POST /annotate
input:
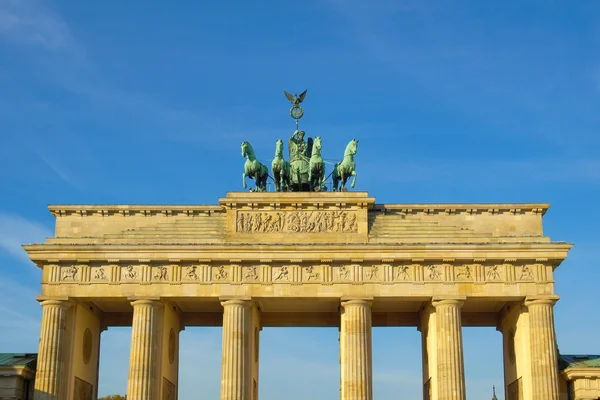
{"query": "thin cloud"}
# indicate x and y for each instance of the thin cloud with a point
(30, 22)
(57, 170)
(20, 329)
(16, 231)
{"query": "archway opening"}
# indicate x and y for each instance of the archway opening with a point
(114, 361)
(200, 362)
(484, 365)
(397, 364)
(299, 363)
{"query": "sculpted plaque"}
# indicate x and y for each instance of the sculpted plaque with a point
(296, 222)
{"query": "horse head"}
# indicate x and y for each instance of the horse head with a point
(247, 150)
(316, 149)
(279, 147)
(351, 148)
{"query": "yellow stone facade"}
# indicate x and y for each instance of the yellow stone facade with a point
(296, 259)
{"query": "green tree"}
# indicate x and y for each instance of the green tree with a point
(113, 397)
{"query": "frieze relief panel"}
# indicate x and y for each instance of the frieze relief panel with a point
(524, 272)
(405, 272)
(296, 222)
(495, 272)
(131, 273)
(463, 272)
(267, 273)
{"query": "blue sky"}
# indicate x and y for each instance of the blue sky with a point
(452, 101)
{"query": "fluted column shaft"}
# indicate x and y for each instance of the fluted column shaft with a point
(236, 362)
(355, 341)
(50, 351)
(143, 359)
(544, 363)
(450, 363)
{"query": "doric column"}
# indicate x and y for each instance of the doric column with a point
(544, 364)
(236, 362)
(143, 359)
(450, 363)
(50, 353)
(355, 351)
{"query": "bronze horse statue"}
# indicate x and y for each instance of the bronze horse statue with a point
(281, 169)
(254, 169)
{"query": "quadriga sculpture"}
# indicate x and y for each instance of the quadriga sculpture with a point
(345, 169)
(254, 169)
(281, 169)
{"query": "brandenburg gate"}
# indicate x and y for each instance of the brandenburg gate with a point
(264, 259)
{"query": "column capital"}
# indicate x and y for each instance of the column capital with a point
(356, 302)
(242, 301)
(540, 300)
(62, 303)
(448, 301)
(145, 301)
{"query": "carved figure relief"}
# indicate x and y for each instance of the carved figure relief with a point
(100, 274)
(311, 275)
(433, 273)
(344, 272)
(403, 272)
(526, 273)
(251, 274)
(297, 222)
(161, 275)
(191, 273)
(373, 273)
(283, 274)
(463, 271)
(130, 273)
(70, 273)
(493, 273)
(221, 274)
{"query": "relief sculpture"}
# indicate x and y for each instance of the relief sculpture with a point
(283, 274)
(191, 273)
(433, 272)
(161, 275)
(70, 274)
(100, 274)
(403, 272)
(311, 275)
(463, 272)
(297, 222)
(373, 273)
(221, 274)
(493, 273)
(526, 273)
(130, 273)
(251, 274)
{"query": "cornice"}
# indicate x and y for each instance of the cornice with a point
(471, 208)
(550, 253)
(62, 210)
(571, 373)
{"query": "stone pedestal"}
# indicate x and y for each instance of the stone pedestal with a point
(355, 351)
(50, 353)
(544, 365)
(236, 363)
(143, 361)
(450, 363)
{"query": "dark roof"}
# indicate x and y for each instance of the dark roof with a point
(18, 360)
(579, 361)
